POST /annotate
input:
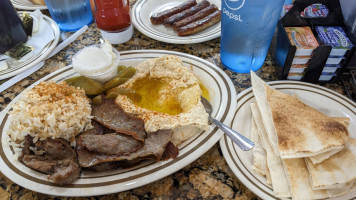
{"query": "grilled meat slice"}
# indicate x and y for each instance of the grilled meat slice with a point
(153, 148)
(112, 116)
(171, 152)
(51, 156)
(110, 144)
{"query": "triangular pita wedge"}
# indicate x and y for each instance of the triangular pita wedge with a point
(303, 131)
(323, 156)
(336, 171)
(259, 92)
(259, 154)
(294, 129)
(274, 163)
(298, 177)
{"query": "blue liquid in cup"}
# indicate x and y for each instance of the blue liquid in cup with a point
(247, 28)
(70, 15)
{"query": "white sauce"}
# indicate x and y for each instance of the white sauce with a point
(98, 63)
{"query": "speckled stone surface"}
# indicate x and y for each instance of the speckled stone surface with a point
(209, 177)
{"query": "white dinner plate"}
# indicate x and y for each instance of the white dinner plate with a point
(143, 9)
(325, 100)
(27, 5)
(36, 58)
(223, 98)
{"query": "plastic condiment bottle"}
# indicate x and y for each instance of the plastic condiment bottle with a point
(113, 19)
(11, 27)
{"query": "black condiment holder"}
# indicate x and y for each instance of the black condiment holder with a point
(285, 51)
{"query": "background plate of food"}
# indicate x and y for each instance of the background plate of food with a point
(178, 21)
(215, 84)
(42, 43)
(29, 4)
(315, 149)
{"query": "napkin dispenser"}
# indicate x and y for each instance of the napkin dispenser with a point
(285, 51)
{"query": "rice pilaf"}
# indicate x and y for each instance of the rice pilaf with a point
(50, 110)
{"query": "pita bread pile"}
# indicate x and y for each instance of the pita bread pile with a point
(303, 153)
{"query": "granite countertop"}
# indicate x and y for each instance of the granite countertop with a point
(209, 177)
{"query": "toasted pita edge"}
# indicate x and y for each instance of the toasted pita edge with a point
(259, 92)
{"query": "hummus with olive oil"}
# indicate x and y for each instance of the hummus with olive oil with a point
(166, 95)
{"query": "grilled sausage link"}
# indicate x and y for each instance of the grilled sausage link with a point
(199, 15)
(190, 11)
(200, 25)
(158, 18)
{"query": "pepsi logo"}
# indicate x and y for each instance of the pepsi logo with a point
(234, 4)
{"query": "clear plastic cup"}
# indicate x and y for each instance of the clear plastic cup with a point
(99, 73)
(247, 27)
(70, 15)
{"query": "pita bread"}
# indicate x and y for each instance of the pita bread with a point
(274, 163)
(302, 130)
(298, 177)
(323, 156)
(259, 92)
(259, 154)
(295, 129)
(259, 142)
(336, 171)
(268, 174)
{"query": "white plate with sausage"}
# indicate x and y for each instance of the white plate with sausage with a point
(143, 10)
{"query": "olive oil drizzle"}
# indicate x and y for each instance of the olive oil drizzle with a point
(155, 94)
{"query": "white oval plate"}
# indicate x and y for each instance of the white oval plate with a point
(38, 57)
(27, 5)
(143, 9)
(325, 100)
(223, 98)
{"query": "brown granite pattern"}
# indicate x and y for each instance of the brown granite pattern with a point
(209, 177)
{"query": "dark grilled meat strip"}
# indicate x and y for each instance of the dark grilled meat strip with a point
(199, 15)
(110, 144)
(54, 157)
(199, 25)
(61, 171)
(158, 18)
(65, 172)
(190, 11)
(40, 163)
(26, 146)
(115, 164)
(57, 149)
(105, 166)
(96, 130)
(171, 151)
(112, 116)
(153, 148)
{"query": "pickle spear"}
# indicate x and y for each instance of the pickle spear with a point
(91, 87)
(122, 77)
(114, 83)
(126, 73)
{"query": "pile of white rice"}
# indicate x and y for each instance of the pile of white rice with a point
(50, 110)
